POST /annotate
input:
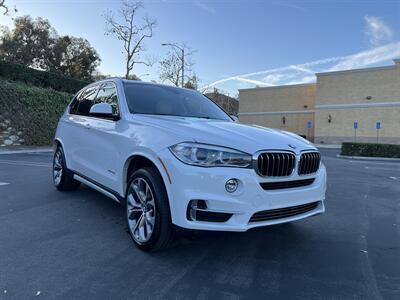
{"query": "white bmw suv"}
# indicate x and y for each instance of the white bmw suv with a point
(172, 157)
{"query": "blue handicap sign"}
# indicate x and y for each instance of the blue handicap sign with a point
(378, 125)
(355, 125)
(309, 124)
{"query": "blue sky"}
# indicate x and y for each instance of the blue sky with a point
(238, 43)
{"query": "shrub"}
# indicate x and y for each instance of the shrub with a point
(374, 150)
(32, 110)
(17, 72)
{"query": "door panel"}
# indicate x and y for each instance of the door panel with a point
(102, 154)
(73, 135)
(77, 125)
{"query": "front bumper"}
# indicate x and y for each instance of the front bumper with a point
(208, 184)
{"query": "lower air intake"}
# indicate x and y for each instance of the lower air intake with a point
(286, 184)
(281, 213)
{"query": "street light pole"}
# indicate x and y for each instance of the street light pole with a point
(182, 59)
(183, 67)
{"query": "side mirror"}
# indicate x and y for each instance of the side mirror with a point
(235, 118)
(101, 110)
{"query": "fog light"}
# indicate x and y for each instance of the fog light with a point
(231, 185)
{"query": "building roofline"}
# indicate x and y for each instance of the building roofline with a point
(278, 86)
(357, 70)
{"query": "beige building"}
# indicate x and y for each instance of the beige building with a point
(325, 112)
(289, 107)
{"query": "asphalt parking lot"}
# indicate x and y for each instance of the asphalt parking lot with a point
(75, 245)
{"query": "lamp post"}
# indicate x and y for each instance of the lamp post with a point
(182, 58)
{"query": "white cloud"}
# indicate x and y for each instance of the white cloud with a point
(302, 73)
(205, 7)
(368, 58)
(256, 82)
(377, 31)
(277, 71)
(292, 6)
(303, 69)
(274, 78)
(383, 50)
(305, 79)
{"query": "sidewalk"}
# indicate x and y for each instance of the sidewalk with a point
(328, 146)
(25, 149)
(387, 159)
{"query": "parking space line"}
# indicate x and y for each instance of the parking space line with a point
(382, 163)
(4, 183)
(383, 169)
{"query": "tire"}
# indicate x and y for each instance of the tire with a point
(148, 215)
(63, 178)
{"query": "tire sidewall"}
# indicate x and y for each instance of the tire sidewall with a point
(158, 194)
(64, 170)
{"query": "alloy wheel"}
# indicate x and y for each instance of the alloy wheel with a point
(57, 167)
(141, 210)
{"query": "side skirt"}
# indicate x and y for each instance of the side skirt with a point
(100, 188)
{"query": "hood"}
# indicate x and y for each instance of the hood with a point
(246, 138)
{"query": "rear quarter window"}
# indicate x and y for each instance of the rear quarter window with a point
(73, 107)
(83, 101)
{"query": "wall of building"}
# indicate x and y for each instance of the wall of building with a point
(339, 99)
(341, 128)
(268, 106)
(365, 96)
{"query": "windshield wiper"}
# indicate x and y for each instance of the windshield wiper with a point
(200, 117)
(183, 116)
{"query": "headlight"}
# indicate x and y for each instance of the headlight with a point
(210, 156)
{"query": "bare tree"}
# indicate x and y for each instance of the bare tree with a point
(7, 10)
(177, 66)
(192, 82)
(170, 69)
(132, 31)
(2, 5)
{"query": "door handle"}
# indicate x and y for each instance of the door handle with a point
(87, 126)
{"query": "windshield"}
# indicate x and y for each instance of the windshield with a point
(171, 101)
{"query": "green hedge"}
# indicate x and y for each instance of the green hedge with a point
(34, 111)
(16, 72)
(374, 150)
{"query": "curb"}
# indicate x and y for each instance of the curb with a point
(369, 158)
(25, 151)
(327, 146)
